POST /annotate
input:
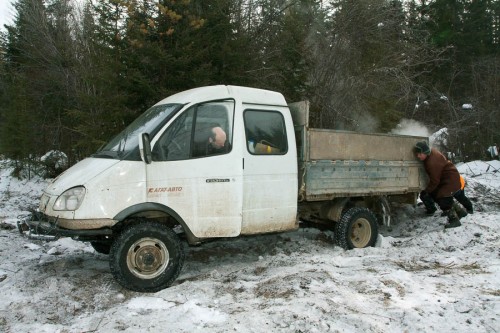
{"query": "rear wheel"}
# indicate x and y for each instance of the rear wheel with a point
(357, 228)
(146, 257)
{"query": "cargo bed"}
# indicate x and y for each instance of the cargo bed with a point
(335, 164)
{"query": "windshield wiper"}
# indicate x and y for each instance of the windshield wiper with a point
(103, 154)
(121, 149)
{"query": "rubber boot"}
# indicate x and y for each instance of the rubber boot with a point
(430, 211)
(430, 206)
(453, 220)
(459, 210)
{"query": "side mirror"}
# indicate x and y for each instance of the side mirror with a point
(145, 148)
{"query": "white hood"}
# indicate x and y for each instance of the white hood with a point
(79, 174)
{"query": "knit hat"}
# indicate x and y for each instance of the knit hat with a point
(422, 147)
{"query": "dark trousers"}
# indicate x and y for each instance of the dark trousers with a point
(464, 201)
(429, 202)
(445, 203)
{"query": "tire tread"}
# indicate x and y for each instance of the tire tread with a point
(159, 283)
(343, 226)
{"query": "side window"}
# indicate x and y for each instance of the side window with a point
(265, 132)
(213, 133)
(175, 142)
(213, 128)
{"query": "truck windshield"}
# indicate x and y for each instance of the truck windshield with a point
(126, 144)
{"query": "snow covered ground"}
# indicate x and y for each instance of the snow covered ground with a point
(419, 279)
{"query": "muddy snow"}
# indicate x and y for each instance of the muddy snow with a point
(419, 278)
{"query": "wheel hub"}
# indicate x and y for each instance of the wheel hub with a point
(147, 258)
(361, 233)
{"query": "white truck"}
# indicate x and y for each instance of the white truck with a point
(159, 182)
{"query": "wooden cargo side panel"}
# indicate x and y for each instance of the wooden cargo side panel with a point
(340, 145)
(325, 180)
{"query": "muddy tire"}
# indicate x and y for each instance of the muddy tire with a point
(101, 247)
(357, 228)
(146, 257)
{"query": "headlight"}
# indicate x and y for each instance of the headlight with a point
(70, 199)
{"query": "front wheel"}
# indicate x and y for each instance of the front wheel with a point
(357, 228)
(146, 257)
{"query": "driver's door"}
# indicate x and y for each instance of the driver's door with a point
(204, 187)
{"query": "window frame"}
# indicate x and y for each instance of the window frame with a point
(283, 127)
(195, 109)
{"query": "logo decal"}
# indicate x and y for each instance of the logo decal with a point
(218, 180)
(164, 189)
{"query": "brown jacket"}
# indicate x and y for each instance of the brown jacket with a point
(444, 179)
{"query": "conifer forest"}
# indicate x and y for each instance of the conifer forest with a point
(75, 73)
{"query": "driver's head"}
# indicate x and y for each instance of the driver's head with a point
(218, 138)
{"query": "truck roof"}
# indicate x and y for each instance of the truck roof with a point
(245, 94)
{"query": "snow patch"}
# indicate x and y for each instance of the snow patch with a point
(419, 277)
(149, 303)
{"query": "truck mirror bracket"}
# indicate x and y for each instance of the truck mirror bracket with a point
(145, 148)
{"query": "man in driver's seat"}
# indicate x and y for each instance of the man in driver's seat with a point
(215, 142)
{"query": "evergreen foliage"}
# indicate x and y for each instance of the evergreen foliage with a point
(71, 78)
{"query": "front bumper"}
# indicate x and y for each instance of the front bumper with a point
(41, 227)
